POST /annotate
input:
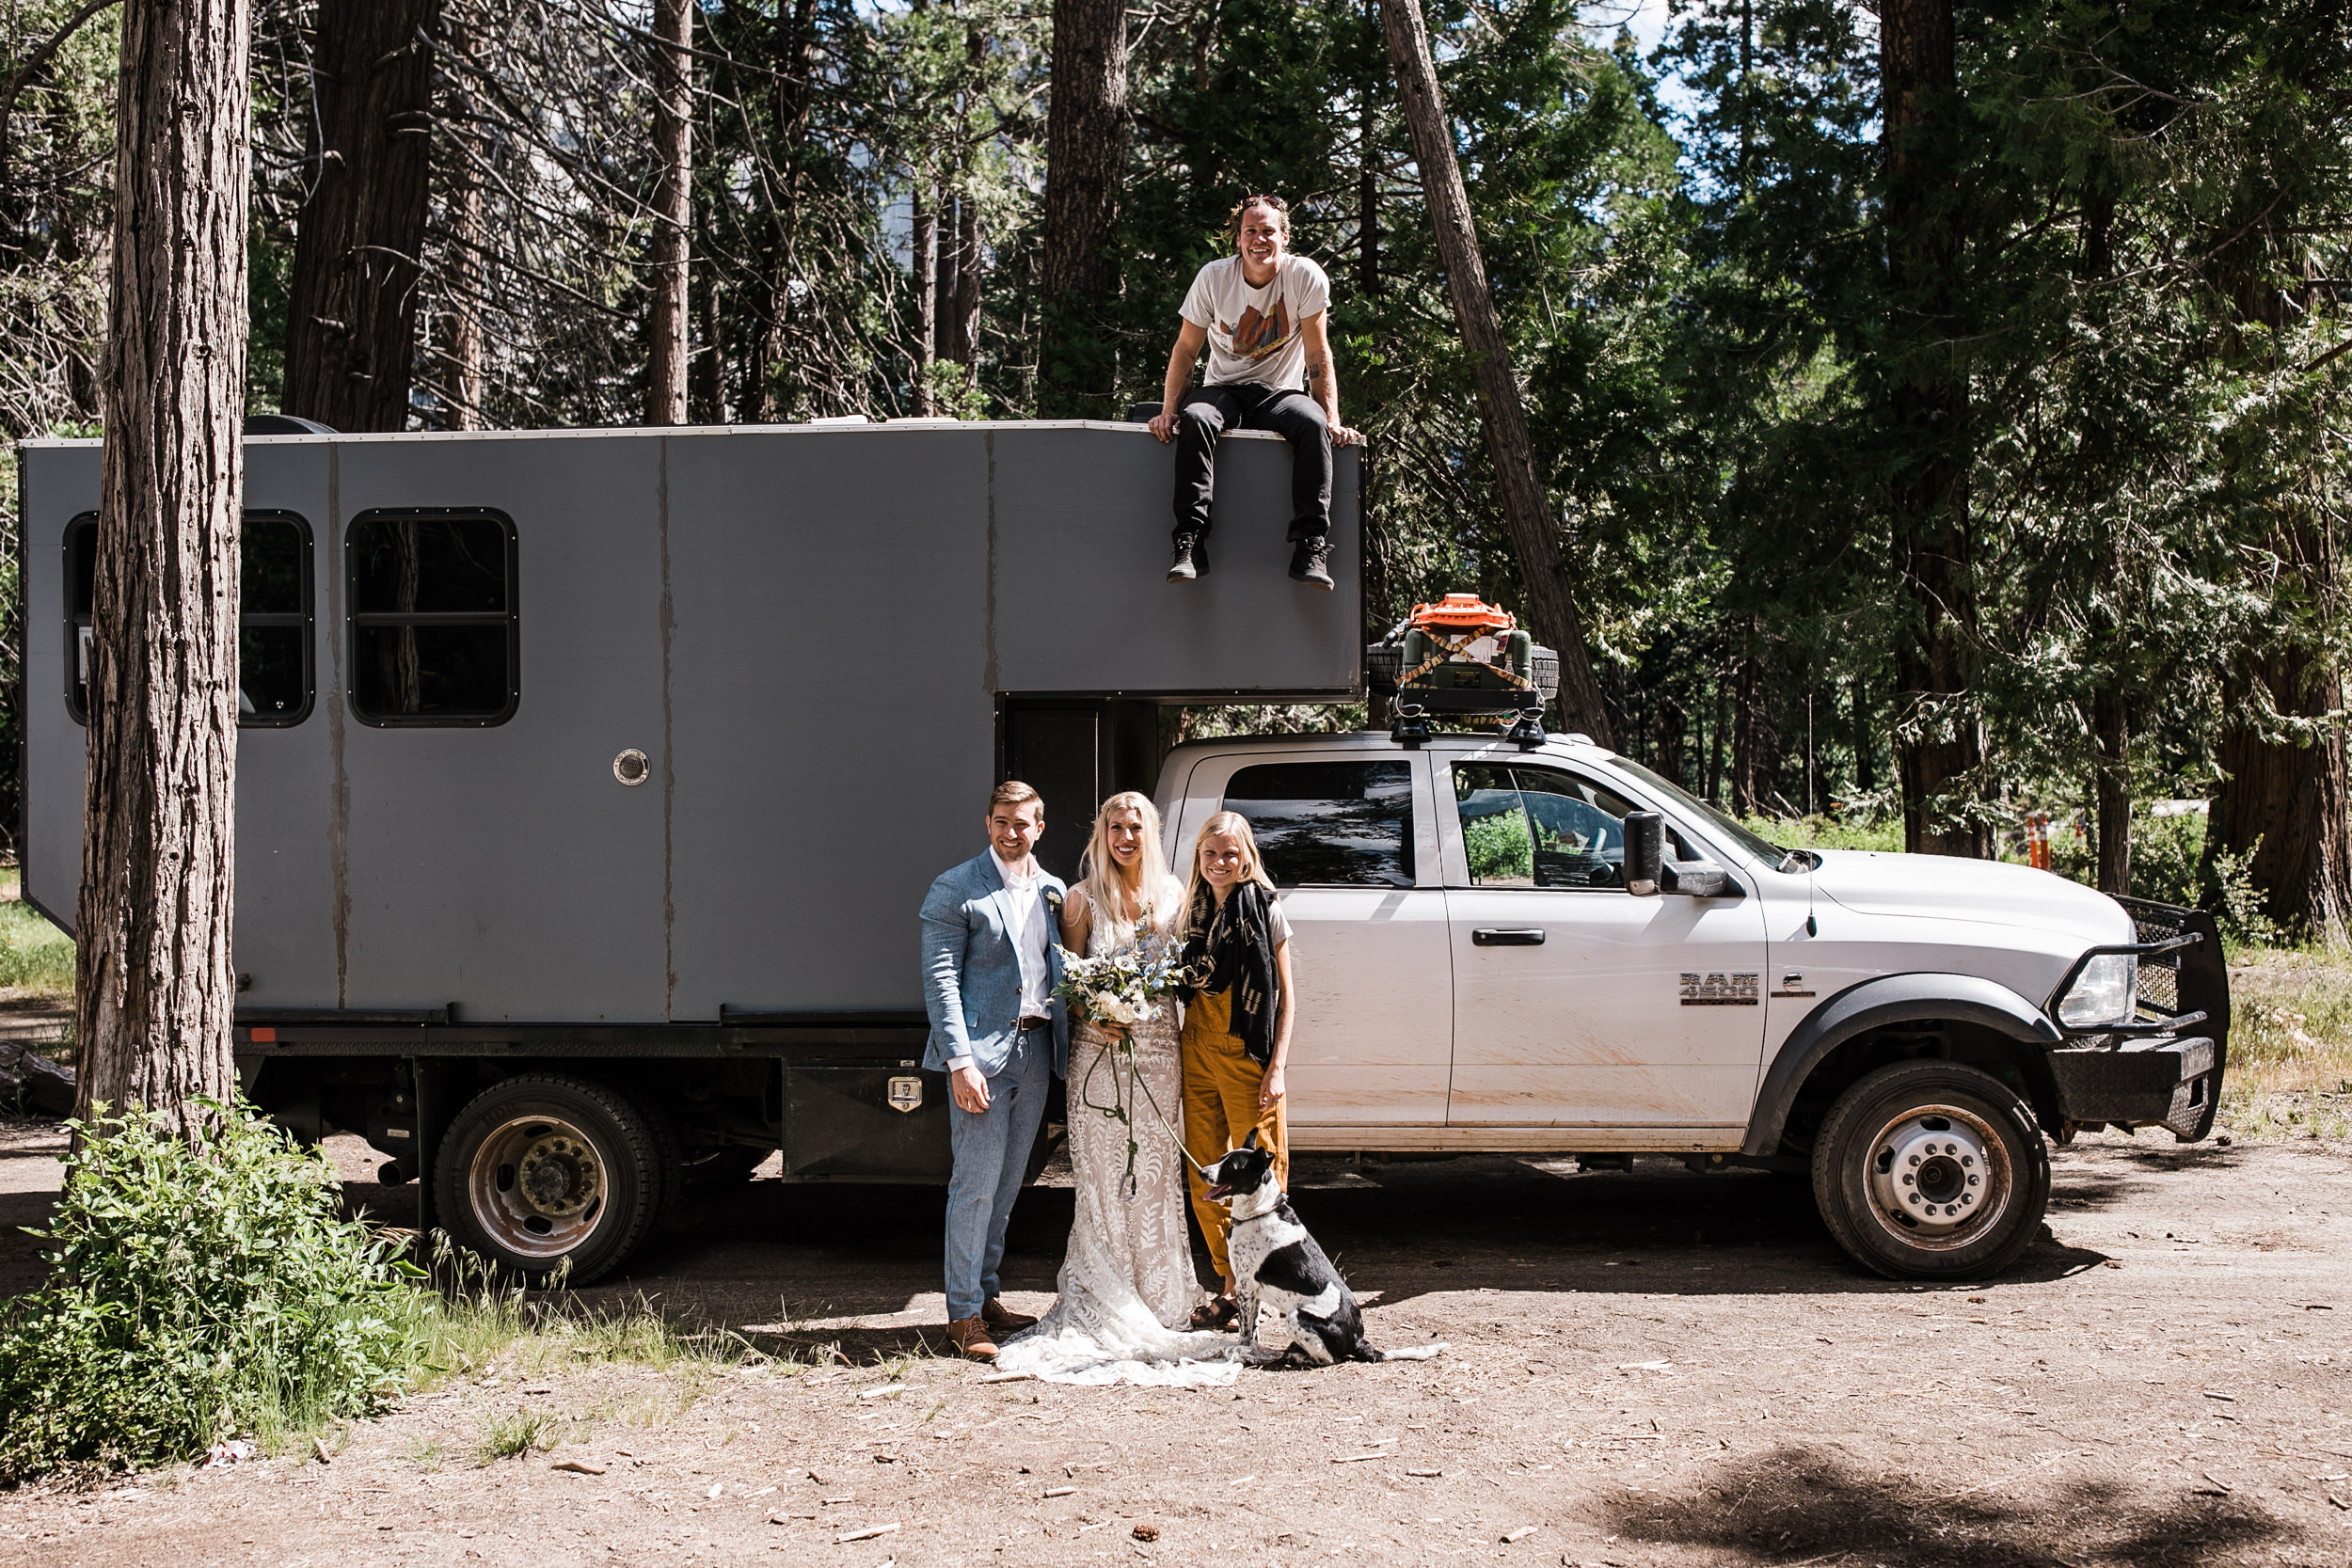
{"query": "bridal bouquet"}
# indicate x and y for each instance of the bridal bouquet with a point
(1116, 992)
(1120, 990)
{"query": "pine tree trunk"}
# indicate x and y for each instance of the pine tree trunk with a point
(1367, 195)
(965, 307)
(2285, 800)
(2110, 719)
(707, 379)
(944, 275)
(154, 992)
(1865, 772)
(469, 240)
(1926, 411)
(1714, 790)
(1085, 139)
(1755, 739)
(1526, 513)
(924, 268)
(350, 309)
(960, 239)
(673, 210)
(1673, 731)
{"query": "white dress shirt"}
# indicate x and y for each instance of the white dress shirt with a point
(1030, 937)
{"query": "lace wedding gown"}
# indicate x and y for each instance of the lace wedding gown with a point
(1128, 1287)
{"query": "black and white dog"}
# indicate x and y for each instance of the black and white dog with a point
(1277, 1265)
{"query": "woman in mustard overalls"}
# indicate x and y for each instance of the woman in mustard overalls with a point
(1237, 1024)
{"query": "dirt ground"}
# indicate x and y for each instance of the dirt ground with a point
(1652, 1367)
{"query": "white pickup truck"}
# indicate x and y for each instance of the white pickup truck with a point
(1482, 966)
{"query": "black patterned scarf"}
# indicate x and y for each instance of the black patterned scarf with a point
(1234, 947)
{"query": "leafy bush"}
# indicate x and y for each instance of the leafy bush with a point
(1827, 833)
(196, 1292)
(1499, 848)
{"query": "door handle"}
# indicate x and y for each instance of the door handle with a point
(1490, 936)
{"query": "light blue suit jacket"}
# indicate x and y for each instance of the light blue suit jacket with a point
(971, 975)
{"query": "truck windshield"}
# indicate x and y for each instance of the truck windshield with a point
(1763, 849)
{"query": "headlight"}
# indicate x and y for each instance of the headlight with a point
(2102, 993)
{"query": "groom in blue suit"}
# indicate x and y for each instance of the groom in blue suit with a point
(991, 961)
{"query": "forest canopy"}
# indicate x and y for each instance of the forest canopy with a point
(1940, 405)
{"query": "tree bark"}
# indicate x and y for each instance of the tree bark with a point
(924, 268)
(1367, 198)
(469, 241)
(1866, 777)
(944, 275)
(923, 265)
(350, 309)
(1526, 513)
(1925, 412)
(154, 990)
(1086, 138)
(1755, 739)
(708, 379)
(964, 310)
(960, 237)
(673, 210)
(2284, 801)
(2111, 720)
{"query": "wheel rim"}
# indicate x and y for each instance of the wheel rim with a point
(1939, 1177)
(537, 1185)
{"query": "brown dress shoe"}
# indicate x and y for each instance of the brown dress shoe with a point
(994, 1313)
(970, 1335)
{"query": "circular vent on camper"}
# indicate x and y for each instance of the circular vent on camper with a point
(632, 768)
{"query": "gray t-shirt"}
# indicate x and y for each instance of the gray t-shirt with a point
(1257, 334)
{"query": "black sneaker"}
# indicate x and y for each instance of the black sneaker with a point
(1192, 558)
(1311, 564)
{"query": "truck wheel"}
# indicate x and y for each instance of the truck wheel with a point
(1931, 1170)
(541, 1170)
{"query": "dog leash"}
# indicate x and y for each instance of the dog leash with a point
(1136, 1081)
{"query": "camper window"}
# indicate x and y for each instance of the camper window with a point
(1343, 823)
(274, 658)
(434, 637)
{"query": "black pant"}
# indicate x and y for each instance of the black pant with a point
(1208, 412)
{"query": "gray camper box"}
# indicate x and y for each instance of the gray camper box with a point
(614, 764)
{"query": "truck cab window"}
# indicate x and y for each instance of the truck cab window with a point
(1329, 823)
(275, 670)
(434, 634)
(1539, 827)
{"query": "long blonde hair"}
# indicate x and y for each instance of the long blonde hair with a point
(1233, 825)
(1157, 890)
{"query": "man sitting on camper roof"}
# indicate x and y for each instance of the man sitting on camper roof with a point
(1264, 314)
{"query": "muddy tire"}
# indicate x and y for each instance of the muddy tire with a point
(541, 1172)
(1931, 1170)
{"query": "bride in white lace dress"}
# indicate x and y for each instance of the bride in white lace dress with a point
(1127, 1284)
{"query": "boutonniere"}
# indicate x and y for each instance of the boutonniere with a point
(1053, 900)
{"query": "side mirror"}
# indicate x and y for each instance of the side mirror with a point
(1645, 852)
(1700, 880)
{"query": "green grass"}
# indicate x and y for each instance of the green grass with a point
(34, 954)
(2290, 1072)
(512, 1434)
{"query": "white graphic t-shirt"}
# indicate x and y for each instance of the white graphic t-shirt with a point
(1255, 334)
